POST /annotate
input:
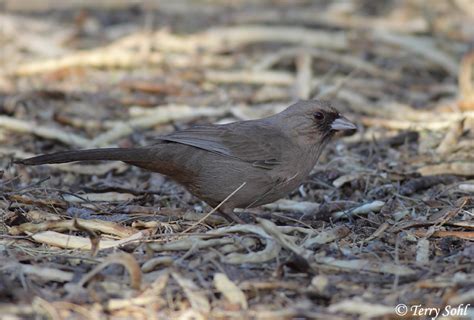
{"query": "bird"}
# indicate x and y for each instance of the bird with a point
(255, 161)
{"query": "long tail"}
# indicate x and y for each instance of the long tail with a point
(120, 154)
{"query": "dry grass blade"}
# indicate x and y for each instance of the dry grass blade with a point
(214, 209)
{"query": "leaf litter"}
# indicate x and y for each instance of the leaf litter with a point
(386, 217)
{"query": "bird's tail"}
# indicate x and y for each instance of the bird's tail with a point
(120, 154)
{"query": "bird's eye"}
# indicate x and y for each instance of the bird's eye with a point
(318, 115)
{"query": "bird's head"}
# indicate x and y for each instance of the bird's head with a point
(314, 121)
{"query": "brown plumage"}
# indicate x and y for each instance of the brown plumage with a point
(271, 155)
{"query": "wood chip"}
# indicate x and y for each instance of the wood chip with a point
(466, 187)
(342, 180)
(374, 206)
(423, 251)
(364, 309)
(230, 290)
(305, 207)
(327, 236)
(195, 295)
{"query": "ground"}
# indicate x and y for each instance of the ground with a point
(382, 228)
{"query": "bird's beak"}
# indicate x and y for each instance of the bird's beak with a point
(342, 124)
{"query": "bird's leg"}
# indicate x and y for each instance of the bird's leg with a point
(228, 214)
(242, 218)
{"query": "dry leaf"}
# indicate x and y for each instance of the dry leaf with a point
(230, 290)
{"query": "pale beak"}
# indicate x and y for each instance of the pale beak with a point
(342, 124)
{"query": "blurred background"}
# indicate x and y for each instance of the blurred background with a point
(82, 74)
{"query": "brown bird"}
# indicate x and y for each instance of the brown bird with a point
(270, 156)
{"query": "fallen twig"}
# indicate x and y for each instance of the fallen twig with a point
(43, 131)
(62, 225)
(75, 242)
(456, 168)
(424, 47)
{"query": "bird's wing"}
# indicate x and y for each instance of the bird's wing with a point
(260, 145)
